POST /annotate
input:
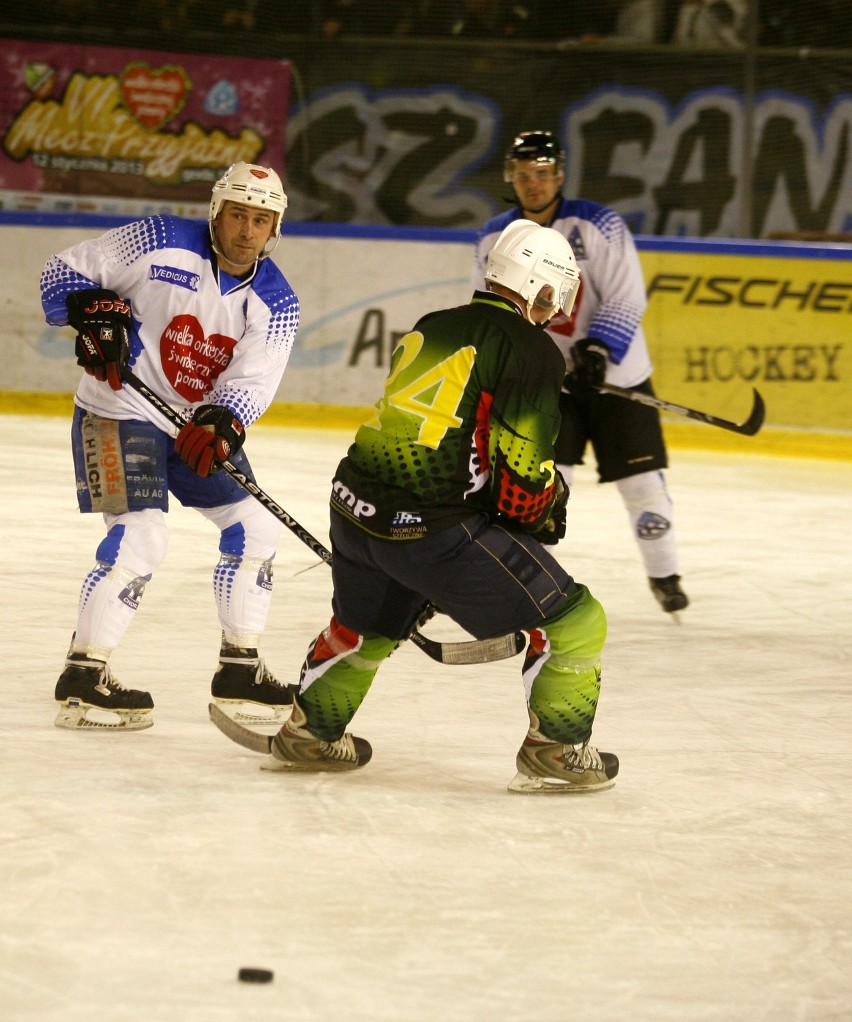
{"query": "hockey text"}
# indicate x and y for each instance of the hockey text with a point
(797, 363)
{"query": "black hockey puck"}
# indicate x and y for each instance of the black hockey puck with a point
(246, 975)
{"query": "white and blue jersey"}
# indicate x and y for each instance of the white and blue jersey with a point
(611, 300)
(200, 336)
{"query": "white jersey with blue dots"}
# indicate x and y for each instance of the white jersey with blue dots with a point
(612, 297)
(199, 335)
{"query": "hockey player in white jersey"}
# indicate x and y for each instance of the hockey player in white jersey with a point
(602, 341)
(206, 320)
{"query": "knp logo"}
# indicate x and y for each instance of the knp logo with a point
(191, 361)
(344, 496)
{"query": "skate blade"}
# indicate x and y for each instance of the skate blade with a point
(80, 717)
(523, 784)
(274, 764)
(256, 714)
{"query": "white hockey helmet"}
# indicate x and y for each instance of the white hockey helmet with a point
(251, 185)
(536, 263)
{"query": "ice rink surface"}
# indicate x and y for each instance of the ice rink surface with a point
(140, 871)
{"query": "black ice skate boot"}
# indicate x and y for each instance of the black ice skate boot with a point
(669, 593)
(89, 697)
(243, 678)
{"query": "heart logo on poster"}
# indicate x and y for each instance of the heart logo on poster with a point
(154, 97)
(192, 361)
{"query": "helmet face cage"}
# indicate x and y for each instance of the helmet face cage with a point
(539, 147)
(536, 263)
(250, 185)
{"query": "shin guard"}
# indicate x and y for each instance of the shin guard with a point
(336, 676)
(562, 669)
(649, 508)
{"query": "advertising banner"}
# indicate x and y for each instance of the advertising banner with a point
(721, 319)
(720, 323)
(111, 130)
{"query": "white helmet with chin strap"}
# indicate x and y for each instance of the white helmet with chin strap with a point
(536, 263)
(250, 185)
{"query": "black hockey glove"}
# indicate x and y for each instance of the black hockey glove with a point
(103, 323)
(554, 528)
(590, 358)
(214, 434)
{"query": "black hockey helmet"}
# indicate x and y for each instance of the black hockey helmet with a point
(540, 146)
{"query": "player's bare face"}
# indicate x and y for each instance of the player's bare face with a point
(537, 187)
(241, 233)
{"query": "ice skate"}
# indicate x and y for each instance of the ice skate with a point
(298, 749)
(246, 690)
(669, 593)
(545, 766)
(89, 697)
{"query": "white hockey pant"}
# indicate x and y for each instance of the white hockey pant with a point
(134, 547)
(649, 509)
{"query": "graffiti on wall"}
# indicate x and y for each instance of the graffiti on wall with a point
(398, 157)
(682, 172)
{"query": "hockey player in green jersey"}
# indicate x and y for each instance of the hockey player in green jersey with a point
(446, 498)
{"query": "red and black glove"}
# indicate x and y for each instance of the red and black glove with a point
(590, 358)
(103, 323)
(554, 528)
(213, 435)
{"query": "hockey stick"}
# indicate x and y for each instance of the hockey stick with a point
(474, 651)
(239, 733)
(748, 428)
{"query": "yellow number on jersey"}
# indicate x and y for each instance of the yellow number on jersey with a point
(433, 397)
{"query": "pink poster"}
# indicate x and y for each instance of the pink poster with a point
(104, 129)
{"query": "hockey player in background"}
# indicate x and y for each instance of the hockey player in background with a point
(445, 498)
(206, 320)
(602, 341)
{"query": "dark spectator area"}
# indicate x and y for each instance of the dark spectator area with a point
(182, 24)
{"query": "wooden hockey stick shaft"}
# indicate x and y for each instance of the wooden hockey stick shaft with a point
(474, 651)
(748, 428)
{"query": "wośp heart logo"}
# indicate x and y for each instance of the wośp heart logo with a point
(154, 97)
(192, 361)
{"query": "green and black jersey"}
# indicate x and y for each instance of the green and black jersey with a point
(466, 423)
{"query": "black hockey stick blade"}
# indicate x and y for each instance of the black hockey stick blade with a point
(748, 428)
(474, 651)
(755, 420)
(239, 733)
